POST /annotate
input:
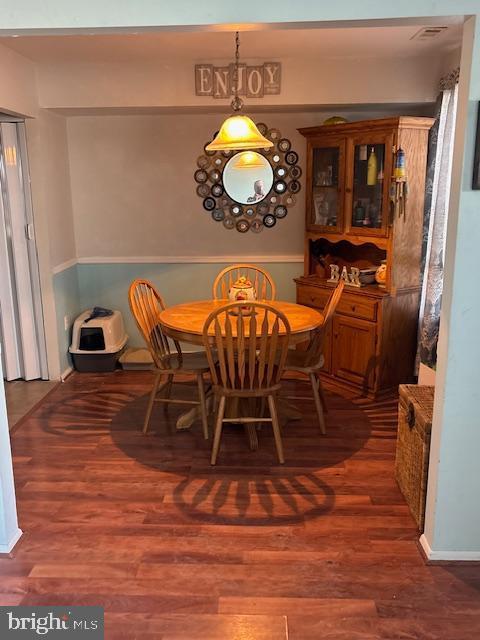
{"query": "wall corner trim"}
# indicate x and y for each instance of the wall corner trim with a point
(454, 556)
(6, 548)
(63, 266)
(67, 372)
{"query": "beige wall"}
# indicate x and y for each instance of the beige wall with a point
(18, 88)
(49, 167)
(48, 156)
(134, 195)
(305, 81)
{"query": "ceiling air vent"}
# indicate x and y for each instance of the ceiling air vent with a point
(427, 33)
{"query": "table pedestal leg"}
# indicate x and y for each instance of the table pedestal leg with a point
(185, 420)
(287, 411)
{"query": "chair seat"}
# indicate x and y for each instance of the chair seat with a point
(297, 361)
(194, 363)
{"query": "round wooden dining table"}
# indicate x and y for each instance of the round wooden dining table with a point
(184, 322)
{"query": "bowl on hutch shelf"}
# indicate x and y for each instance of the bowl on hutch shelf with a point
(381, 274)
(367, 276)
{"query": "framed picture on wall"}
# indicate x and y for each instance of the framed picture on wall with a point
(476, 157)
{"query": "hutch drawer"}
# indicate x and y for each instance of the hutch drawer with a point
(312, 296)
(349, 305)
(358, 307)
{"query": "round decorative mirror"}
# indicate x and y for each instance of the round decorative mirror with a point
(247, 177)
(249, 190)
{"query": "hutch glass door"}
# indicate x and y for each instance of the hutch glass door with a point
(326, 198)
(367, 193)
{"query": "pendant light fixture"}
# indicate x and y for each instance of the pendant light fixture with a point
(238, 131)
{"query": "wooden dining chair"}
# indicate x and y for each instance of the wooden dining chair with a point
(246, 350)
(146, 305)
(310, 362)
(261, 280)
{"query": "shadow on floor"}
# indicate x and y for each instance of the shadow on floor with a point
(246, 487)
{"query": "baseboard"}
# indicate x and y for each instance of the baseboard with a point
(452, 556)
(64, 375)
(6, 548)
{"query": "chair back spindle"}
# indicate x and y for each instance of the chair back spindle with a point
(146, 305)
(246, 346)
(260, 279)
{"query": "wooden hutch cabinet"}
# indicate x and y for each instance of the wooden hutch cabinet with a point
(355, 217)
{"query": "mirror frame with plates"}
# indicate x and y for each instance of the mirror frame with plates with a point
(254, 216)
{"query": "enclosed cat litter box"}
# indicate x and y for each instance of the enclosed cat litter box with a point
(97, 343)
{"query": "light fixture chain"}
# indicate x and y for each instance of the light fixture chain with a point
(237, 61)
(237, 103)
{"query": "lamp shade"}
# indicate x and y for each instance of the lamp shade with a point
(238, 132)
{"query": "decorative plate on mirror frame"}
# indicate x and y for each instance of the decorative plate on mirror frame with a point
(229, 222)
(242, 225)
(294, 186)
(203, 190)
(280, 211)
(267, 202)
(269, 220)
(209, 204)
(200, 176)
(217, 190)
(218, 215)
(295, 172)
(203, 162)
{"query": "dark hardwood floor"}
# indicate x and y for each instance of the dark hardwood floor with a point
(323, 547)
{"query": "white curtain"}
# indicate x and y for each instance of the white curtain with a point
(436, 213)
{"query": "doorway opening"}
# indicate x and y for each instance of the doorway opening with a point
(22, 336)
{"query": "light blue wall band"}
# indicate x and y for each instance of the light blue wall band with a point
(83, 286)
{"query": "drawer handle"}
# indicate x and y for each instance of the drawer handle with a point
(411, 415)
(353, 308)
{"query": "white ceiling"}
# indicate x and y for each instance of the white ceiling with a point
(205, 46)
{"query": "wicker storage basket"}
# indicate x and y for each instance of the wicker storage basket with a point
(413, 446)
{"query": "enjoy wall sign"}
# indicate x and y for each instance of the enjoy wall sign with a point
(253, 81)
